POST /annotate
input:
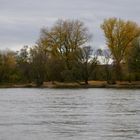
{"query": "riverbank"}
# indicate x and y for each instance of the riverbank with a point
(92, 84)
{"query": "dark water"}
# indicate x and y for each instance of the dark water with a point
(82, 114)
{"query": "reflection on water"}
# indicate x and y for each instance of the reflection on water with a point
(82, 114)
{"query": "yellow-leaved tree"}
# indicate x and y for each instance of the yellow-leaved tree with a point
(64, 38)
(120, 36)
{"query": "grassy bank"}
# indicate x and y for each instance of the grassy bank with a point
(95, 84)
(92, 84)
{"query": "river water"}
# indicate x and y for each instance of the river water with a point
(72, 114)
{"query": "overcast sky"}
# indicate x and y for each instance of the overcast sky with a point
(21, 20)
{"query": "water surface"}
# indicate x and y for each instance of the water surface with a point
(79, 114)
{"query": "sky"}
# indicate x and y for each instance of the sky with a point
(21, 20)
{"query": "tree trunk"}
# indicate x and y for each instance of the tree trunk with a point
(86, 73)
(118, 71)
(86, 81)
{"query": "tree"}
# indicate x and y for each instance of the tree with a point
(120, 36)
(8, 66)
(64, 38)
(23, 64)
(105, 58)
(86, 61)
(133, 60)
(38, 60)
(55, 69)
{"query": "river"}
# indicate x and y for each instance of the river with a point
(69, 114)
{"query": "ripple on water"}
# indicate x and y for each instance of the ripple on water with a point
(79, 114)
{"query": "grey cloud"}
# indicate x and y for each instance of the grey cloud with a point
(20, 21)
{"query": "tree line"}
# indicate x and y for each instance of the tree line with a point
(62, 53)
